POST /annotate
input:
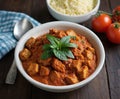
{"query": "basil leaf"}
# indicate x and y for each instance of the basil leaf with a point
(46, 47)
(53, 40)
(53, 46)
(70, 45)
(46, 54)
(58, 47)
(68, 53)
(65, 39)
(59, 54)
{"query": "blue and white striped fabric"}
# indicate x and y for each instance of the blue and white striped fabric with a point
(7, 22)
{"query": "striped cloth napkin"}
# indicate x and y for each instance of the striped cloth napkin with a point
(7, 22)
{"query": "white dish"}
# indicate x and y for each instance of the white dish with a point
(44, 28)
(77, 18)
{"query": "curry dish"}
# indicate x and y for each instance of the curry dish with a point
(53, 71)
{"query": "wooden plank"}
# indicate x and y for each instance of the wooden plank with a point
(113, 68)
(20, 90)
(18, 6)
(113, 62)
(105, 6)
(114, 3)
(40, 11)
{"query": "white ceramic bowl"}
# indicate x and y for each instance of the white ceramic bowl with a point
(78, 19)
(44, 28)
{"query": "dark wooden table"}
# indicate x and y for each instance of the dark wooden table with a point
(105, 86)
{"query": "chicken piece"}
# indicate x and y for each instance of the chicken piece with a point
(91, 64)
(72, 33)
(91, 49)
(38, 41)
(24, 54)
(45, 62)
(33, 69)
(61, 34)
(77, 53)
(58, 65)
(68, 62)
(54, 76)
(57, 33)
(71, 79)
(85, 73)
(89, 54)
(79, 45)
(44, 71)
(76, 64)
(30, 42)
(53, 31)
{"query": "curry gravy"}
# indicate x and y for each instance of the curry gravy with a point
(53, 71)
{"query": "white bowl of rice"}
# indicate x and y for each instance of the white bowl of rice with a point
(73, 10)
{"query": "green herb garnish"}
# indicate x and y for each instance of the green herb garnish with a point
(58, 47)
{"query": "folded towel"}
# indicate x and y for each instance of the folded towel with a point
(7, 22)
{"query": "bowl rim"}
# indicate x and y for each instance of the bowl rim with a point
(67, 87)
(75, 16)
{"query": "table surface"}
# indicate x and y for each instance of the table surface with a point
(105, 86)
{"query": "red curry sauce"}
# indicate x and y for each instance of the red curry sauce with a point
(53, 71)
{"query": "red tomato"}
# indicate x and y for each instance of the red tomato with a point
(113, 33)
(101, 22)
(116, 10)
(116, 14)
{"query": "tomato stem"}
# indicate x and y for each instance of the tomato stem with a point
(100, 12)
(117, 25)
(117, 12)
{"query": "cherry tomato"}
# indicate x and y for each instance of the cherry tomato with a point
(101, 22)
(116, 9)
(113, 33)
(116, 14)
